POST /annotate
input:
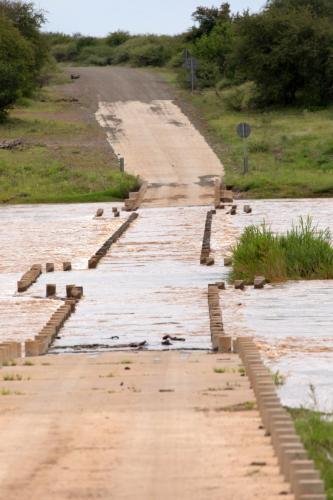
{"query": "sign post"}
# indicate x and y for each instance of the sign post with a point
(244, 131)
(191, 64)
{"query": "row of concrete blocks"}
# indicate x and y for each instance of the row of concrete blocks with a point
(293, 459)
(205, 258)
(29, 278)
(10, 351)
(94, 260)
(135, 199)
(49, 332)
(220, 341)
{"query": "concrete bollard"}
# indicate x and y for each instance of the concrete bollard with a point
(114, 209)
(223, 343)
(33, 348)
(49, 267)
(51, 290)
(239, 284)
(67, 266)
(309, 487)
(92, 263)
(259, 282)
(226, 196)
(228, 261)
(72, 304)
(303, 475)
(247, 209)
(99, 212)
(221, 285)
(69, 289)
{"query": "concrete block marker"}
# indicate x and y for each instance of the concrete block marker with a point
(102, 251)
(259, 282)
(136, 198)
(29, 278)
(67, 266)
(49, 267)
(51, 290)
(239, 285)
(227, 196)
(228, 261)
(247, 209)
(99, 212)
(308, 487)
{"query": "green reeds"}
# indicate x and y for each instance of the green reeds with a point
(305, 253)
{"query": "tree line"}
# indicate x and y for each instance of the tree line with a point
(282, 55)
(285, 50)
(23, 52)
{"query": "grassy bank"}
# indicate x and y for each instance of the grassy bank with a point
(63, 158)
(316, 432)
(303, 253)
(291, 150)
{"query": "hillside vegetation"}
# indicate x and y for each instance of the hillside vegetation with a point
(272, 69)
(57, 155)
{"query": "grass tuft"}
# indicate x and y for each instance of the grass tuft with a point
(305, 253)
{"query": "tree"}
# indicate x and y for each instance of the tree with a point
(16, 76)
(288, 53)
(28, 21)
(207, 18)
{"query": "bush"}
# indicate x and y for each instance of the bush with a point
(16, 66)
(117, 38)
(149, 55)
(241, 98)
(65, 52)
(303, 253)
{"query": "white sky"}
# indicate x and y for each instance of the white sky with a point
(99, 17)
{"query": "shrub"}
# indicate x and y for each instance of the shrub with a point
(117, 38)
(303, 253)
(241, 98)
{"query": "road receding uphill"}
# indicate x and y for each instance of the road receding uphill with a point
(181, 424)
(157, 141)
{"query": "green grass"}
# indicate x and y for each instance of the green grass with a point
(316, 432)
(61, 159)
(290, 149)
(303, 253)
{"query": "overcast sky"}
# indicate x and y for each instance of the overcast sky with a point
(99, 17)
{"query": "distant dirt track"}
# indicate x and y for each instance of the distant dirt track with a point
(145, 126)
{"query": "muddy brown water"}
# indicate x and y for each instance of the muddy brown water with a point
(292, 322)
(150, 284)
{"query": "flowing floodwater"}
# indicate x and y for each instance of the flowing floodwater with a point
(149, 285)
(292, 322)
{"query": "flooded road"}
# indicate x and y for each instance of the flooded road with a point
(149, 285)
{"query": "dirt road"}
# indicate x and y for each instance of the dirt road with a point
(147, 128)
(123, 426)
